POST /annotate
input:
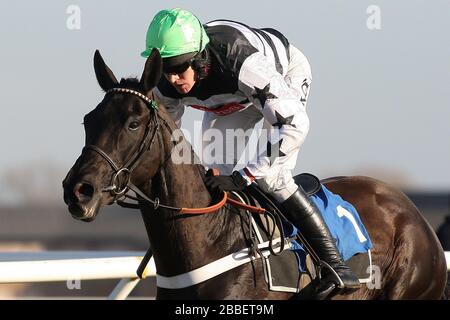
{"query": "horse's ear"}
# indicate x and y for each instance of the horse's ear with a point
(105, 76)
(152, 71)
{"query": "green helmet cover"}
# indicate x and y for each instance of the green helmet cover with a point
(175, 32)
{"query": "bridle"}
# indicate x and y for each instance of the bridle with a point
(121, 179)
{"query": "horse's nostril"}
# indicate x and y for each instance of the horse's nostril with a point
(83, 191)
(87, 190)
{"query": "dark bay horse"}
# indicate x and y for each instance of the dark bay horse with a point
(129, 141)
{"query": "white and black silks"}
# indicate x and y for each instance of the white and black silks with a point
(255, 74)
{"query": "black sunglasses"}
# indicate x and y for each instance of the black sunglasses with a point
(177, 69)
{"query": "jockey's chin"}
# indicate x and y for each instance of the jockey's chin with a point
(183, 88)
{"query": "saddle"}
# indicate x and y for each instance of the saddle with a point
(290, 267)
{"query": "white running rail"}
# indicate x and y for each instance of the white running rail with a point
(25, 267)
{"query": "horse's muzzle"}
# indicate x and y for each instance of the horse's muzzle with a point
(80, 200)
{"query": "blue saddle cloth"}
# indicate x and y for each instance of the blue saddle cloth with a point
(342, 220)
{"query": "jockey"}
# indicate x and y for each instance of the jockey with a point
(239, 75)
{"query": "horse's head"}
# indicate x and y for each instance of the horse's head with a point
(119, 132)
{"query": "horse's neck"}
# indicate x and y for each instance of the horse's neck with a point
(182, 186)
(181, 242)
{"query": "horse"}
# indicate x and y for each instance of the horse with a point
(125, 128)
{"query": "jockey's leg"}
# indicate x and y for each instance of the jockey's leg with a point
(300, 210)
(306, 217)
(304, 214)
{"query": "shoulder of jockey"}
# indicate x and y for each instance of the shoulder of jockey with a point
(232, 63)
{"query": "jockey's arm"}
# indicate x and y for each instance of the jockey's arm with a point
(283, 105)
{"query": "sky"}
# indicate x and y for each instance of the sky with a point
(379, 102)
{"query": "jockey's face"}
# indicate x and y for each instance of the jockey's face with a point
(182, 81)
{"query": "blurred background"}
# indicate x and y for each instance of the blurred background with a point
(379, 106)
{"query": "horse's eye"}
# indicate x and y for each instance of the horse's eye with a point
(134, 125)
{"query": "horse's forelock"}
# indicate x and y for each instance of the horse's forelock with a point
(131, 83)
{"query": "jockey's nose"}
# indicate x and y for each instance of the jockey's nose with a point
(83, 191)
(173, 77)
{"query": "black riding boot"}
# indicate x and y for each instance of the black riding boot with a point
(306, 217)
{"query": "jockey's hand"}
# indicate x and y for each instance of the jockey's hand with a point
(217, 184)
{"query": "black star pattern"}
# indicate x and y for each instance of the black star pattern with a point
(263, 94)
(281, 121)
(273, 151)
(305, 87)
